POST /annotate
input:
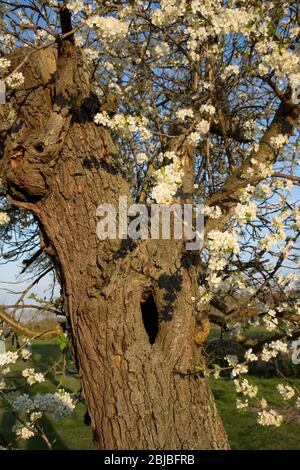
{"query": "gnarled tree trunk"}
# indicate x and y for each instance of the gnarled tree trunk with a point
(129, 304)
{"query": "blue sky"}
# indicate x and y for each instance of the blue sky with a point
(10, 279)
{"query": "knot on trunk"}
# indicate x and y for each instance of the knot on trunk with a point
(25, 178)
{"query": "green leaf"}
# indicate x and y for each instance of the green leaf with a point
(62, 341)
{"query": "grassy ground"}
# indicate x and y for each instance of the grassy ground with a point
(68, 433)
(243, 431)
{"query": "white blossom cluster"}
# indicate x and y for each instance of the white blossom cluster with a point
(250, 356)
(230, 70)
(286, 391)
(241, 404)
(284, 62)
(184, 113)
(264, 170)
(169, 11)
(25, 351)
(141, 157)
(245, 388)
(279, 235)
(75, 6)
(270, 320)
(244, 213)
(279, 141)
(7, 358)
(228, 20)
(28, 429)
(213, 212)
(4, 218)
(269, 418)
(204, 295)
(222, 243)
(216, 19)
(4, 65)
(15, 80)
(167, 180)
(124, 124)
(32, 376)
(202, 128)
(273, 349)
(23, 432)
(207, 109)
(237, 368)
(162, 49)
(109, 28)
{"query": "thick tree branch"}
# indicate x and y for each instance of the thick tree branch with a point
(227, 196)
(20, 328)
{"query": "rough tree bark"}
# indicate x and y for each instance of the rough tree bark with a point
(129, 304)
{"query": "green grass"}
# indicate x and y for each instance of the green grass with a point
(67, 433)
(243, 430)
(72, 433)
